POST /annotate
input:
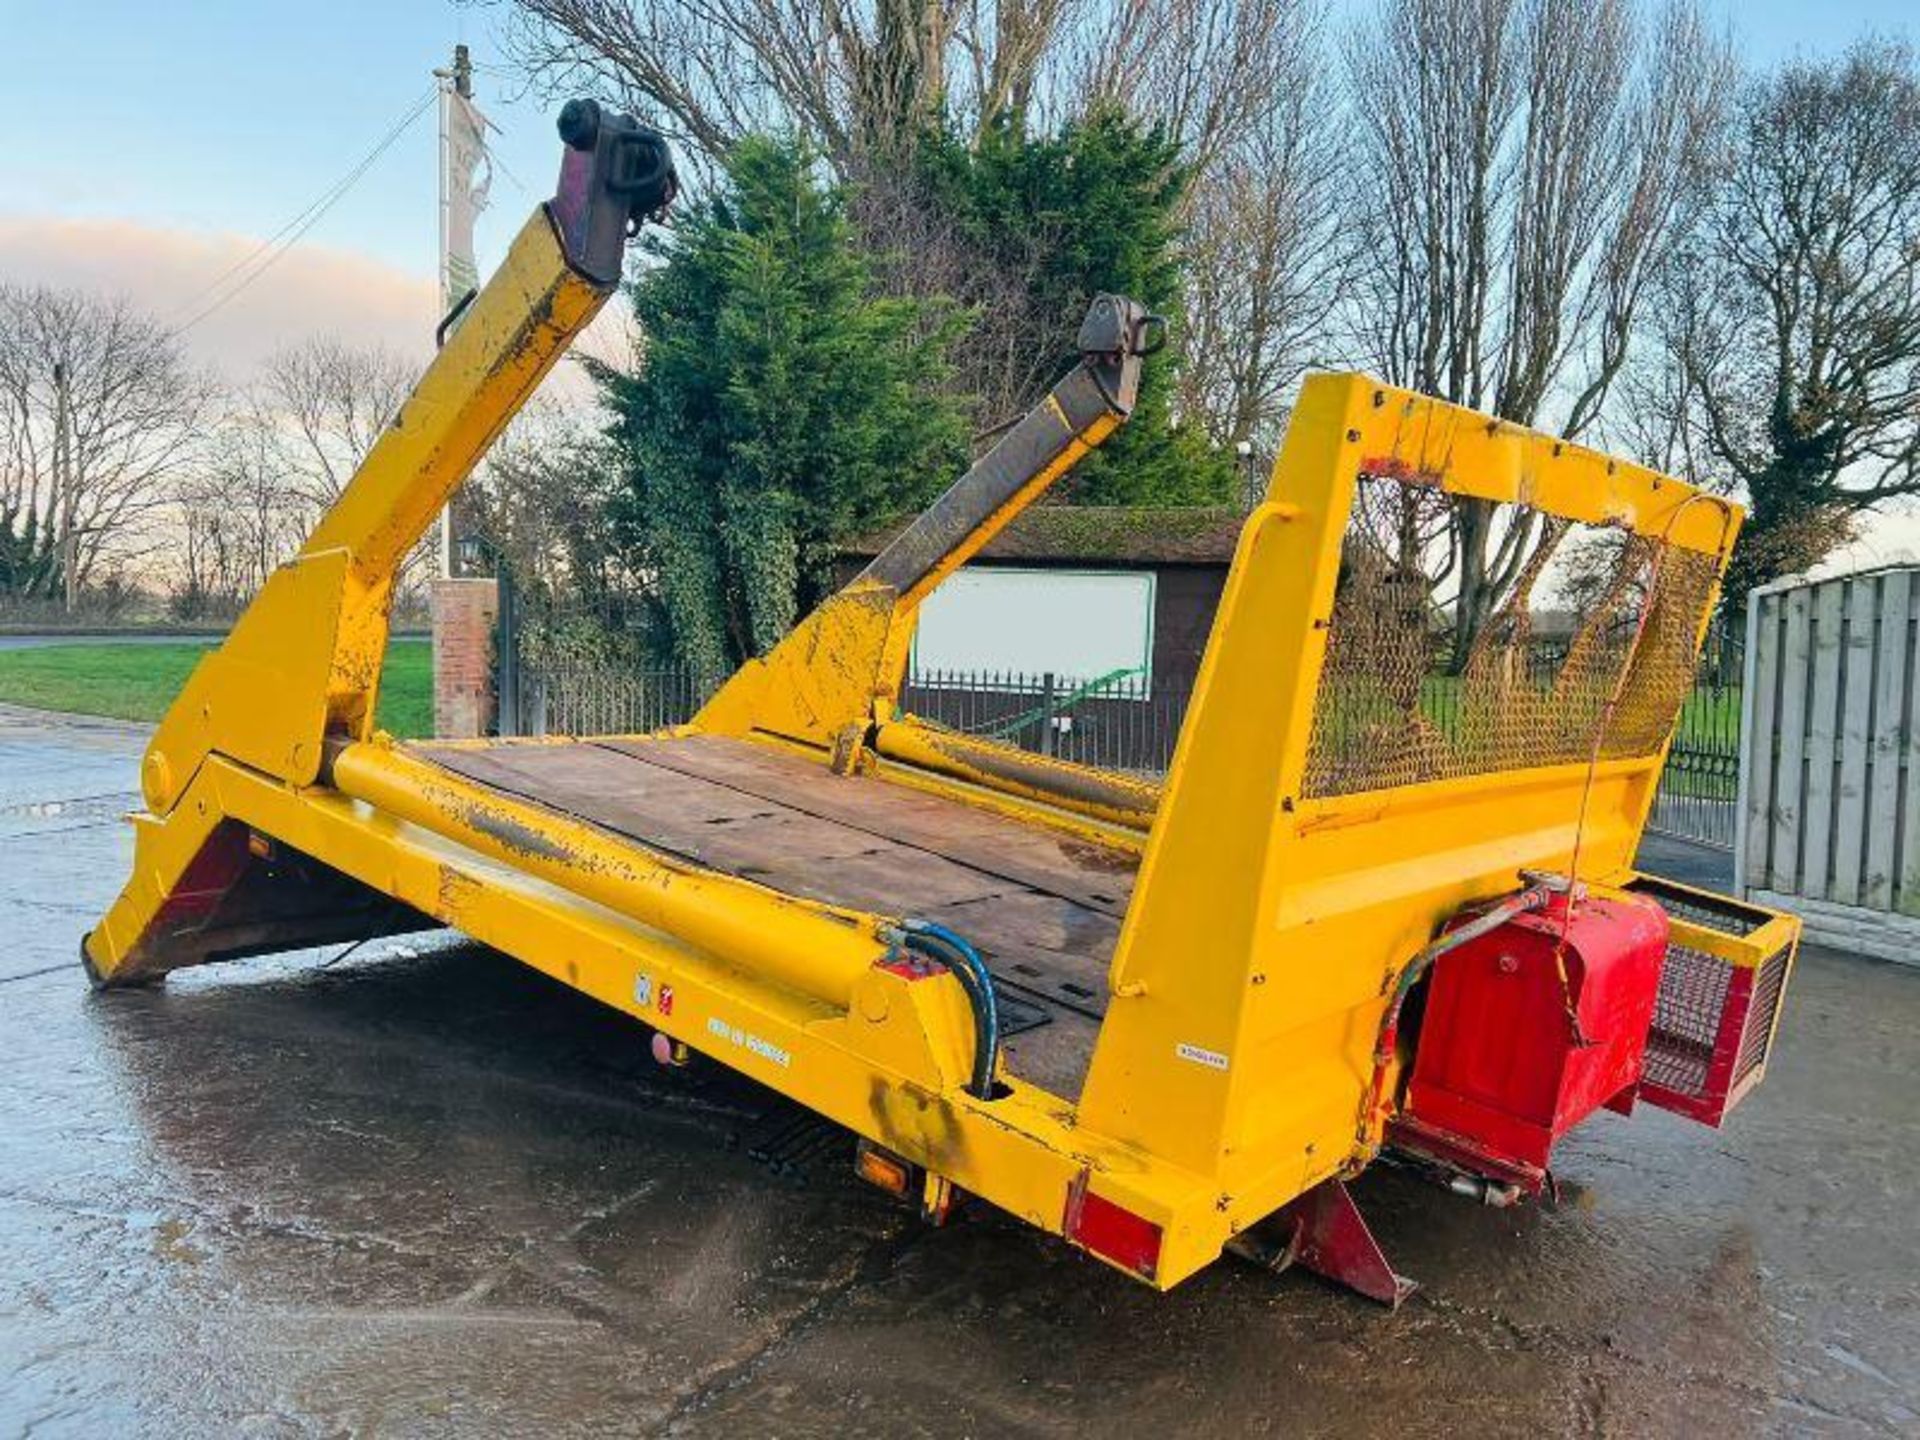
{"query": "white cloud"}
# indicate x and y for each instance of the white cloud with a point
(311, 290)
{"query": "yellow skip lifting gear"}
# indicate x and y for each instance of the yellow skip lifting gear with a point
(839, 900)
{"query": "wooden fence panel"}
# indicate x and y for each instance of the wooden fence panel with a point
(1892, 645)
(1827, 645)
(1856, 711)
(1906, 859)
(1830, 762)
(1760, 734)
(1790, 779)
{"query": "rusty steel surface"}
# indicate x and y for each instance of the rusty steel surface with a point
(1043, 910)
(1102, 390)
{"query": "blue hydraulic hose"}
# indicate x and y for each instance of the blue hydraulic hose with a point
(964, 961)
(980, 1078)
(970, 957)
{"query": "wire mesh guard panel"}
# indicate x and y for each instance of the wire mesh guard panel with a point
(1712, 1025)
(1687, 1020)
(1713, 1019)
(1702, 908)
(1400, 705)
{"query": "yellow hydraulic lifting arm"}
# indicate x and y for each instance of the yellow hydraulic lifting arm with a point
(304, 661)
(301, 668)
(839, 671)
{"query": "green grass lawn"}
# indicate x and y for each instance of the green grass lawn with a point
(1708, 718)
(138, 682)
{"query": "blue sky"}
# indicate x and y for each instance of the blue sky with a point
(218, 115)
(171, 137)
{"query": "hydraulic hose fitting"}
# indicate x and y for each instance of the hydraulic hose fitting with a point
(963, 962)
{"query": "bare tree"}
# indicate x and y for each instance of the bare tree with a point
(541, 498)
(1268, 250)
(1233, 82)
(206, 579)
(1528, 163)
(1214, 73)
(862, 78)
(1796, 317)
(275, 461)
(101, 412)
(241, 514)
(326, 402)
(1654, 409)
(856, 77)
(1010, 352)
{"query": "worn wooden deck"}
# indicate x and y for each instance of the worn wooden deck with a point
(1043, 909)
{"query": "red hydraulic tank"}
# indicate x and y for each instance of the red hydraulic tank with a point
(1500, 1068)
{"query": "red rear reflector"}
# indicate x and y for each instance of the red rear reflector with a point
(1112, 1233)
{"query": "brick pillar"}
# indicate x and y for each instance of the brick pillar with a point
(463, 616)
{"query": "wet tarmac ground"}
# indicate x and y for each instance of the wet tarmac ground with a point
(421, 1191)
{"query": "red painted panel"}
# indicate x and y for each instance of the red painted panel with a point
(1498, 1060)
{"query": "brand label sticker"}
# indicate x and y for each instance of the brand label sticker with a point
(749, 1042)
(643, 991)
(666, 999)
(1212, 1059)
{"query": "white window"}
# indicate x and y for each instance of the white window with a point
(1080, 626)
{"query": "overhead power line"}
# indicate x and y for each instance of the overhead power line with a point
(236, 278)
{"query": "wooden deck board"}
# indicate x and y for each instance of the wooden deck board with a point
(1091, 875)
(1043, 909)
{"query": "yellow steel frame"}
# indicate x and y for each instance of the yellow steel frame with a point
(1231, 1073)
(1326, 898)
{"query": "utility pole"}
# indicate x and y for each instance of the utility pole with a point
(457, 273)
(465, 176)
(63, 509)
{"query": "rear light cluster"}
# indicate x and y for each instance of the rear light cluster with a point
(884, 1169)
(904, 1180)
(1114, 1233)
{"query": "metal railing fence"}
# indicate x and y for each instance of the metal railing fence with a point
(1700, 786)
